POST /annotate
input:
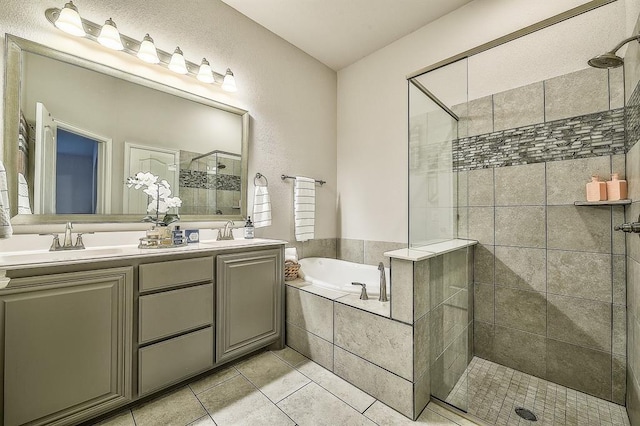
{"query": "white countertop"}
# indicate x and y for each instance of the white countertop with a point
(417, 254)
(31, 258)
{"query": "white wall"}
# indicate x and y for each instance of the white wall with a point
(291, 97)
(372, 98)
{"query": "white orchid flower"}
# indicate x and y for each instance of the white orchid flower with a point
(159, 192)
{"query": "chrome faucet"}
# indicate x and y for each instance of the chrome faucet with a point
(67, 236)
(363, 293)
(383, 284)
(227, 233)
(67, 242)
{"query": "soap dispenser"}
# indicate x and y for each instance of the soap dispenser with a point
(248, 229)
(616, 188)
(596, 190)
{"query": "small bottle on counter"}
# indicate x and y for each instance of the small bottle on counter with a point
(596, 189)
(248, 229)
(178, 236)
(616, 188)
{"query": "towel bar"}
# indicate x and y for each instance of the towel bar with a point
(321, 182)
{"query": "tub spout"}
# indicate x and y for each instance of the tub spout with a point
(383, 284)
(363, 293)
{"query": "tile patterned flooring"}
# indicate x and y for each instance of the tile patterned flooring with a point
(274, 388)
(495, 391)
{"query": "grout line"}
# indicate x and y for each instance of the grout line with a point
(202, 405)
(269, 399)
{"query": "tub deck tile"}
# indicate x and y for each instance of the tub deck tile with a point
(372, 305)
(315, 289)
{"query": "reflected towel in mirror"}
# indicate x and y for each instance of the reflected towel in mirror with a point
(304, 208)
(24, 204)
(5, 212)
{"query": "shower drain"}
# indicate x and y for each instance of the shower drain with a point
(526, 414)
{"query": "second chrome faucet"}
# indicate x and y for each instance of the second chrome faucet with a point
(383, 283)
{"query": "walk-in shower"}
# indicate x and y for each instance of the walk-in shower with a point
(501, 144)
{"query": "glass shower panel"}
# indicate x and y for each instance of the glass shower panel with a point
(433, 219)
(432, 183)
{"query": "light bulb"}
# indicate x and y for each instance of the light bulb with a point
(69, 20)
(110, 36)
(177, 63)
(205, 74)
(147, 51)
(229, 83)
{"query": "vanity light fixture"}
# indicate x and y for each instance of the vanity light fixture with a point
(177, 63)
(229, 83)
(110, 36)
(205, 73)
(147, 51)
(68, 20)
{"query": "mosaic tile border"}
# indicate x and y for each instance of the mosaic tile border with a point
(590, 135)
(202, 180)
(632, 117)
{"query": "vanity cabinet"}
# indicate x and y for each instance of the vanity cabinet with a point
(81, 339)
(66, 346)
(175, 322)
(249, 302)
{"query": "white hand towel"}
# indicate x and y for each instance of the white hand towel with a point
(5, 213)
(304, 208)
(24, 205)
(291, 254)
(261, 207)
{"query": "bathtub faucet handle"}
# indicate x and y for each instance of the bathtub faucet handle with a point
(363, 293)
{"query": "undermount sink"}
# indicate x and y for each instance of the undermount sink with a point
(42, 256)
(226, 243)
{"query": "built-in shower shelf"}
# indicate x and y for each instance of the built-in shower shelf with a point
(602, 203)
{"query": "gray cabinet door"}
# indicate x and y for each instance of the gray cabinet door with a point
(249, 302)
(67, 346)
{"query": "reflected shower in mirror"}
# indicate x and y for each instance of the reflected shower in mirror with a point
(85, 128)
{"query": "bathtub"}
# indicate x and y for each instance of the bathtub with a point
(339, 274)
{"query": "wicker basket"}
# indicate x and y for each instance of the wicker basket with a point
(291, 269)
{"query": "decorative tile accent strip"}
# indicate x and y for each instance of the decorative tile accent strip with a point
(590, 135)
(633, 118)
(203, 180)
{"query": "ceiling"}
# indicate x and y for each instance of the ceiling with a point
(340, 32)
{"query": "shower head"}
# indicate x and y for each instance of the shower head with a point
(610, 59)
(221, 166)
(606, 60)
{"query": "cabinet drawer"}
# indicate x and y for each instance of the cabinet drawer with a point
(175, 273)
(173, 360)
(175, 311)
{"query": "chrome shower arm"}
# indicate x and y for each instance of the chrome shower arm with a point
(625, 41)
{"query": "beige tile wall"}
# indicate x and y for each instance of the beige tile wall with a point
(633, 295)
(549, 276)
(582, 92)
(544, 275)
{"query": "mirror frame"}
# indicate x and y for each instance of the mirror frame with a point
(14, 46)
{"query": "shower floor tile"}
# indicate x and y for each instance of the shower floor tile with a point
(495, 391)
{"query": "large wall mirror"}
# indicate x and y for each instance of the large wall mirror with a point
(75, 130)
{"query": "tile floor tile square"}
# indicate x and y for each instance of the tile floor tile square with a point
(237, 402)
(213, 379)
(274, 377)
(178, 408)
(315, 406)
(337, 386)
